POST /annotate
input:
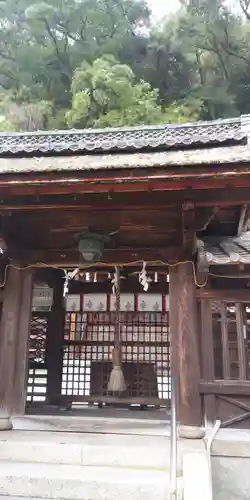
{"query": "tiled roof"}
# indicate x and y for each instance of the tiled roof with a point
(126, 139)
(229, 250)
(233, 155)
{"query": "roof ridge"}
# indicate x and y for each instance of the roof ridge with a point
(124, 139)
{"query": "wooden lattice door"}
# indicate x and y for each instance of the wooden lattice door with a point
(225, 361)
(87, 348)
(37, 366)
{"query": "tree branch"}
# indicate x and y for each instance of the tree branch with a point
(216, 50)
(231, 52)
(244, 5)
(199, 65)
(53, 38)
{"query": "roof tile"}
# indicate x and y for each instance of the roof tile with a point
(126, 139)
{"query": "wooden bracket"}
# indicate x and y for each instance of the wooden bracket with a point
(205, 217)
(244, 220)
(202, 263)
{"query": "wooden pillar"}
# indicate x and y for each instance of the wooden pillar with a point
(207, 358)
(54, 338)
(8, 344)
(184, 331)
(21, 364)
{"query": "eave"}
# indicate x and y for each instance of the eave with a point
(228, 251)
(136, 162)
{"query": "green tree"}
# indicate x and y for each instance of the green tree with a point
(106, 94)
(54, 71)
(213, 41)
(29, 116)
(41, 43)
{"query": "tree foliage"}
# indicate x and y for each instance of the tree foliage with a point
(98, 63)
(106, 93)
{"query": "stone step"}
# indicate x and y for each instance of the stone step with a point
(67, 482)
(93, 424)
(146, 452)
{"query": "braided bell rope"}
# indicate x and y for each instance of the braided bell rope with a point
(117, 309)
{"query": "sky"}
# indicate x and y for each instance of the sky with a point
(161, 8)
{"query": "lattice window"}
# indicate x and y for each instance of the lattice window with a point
(37, 339)
(88, 344)
(230, 327)
(227, 360)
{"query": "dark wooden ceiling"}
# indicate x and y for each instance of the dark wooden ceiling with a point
(141, 231)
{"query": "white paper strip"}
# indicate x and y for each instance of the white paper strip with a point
(166, 300)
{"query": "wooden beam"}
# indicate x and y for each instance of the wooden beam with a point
(110, 256)
(230, 387)
(21, 365)
(241, 344)
(122, 255)
(226, 365)
(224, 295)
(61, 400)
(207, 356)
(184, 330)
(129, 175)
(161, 182)
(54, 353)
(37, 199)
(35, 207)
(8, 344)
(188, 229)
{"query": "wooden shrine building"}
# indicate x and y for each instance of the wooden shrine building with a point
(172, 204)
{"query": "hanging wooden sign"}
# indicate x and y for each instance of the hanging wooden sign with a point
(102, 302)
(95, 302)
(127, 302)
(73, 303)
(148, 302)
(42, 298)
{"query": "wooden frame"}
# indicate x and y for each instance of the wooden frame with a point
(226, 399)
